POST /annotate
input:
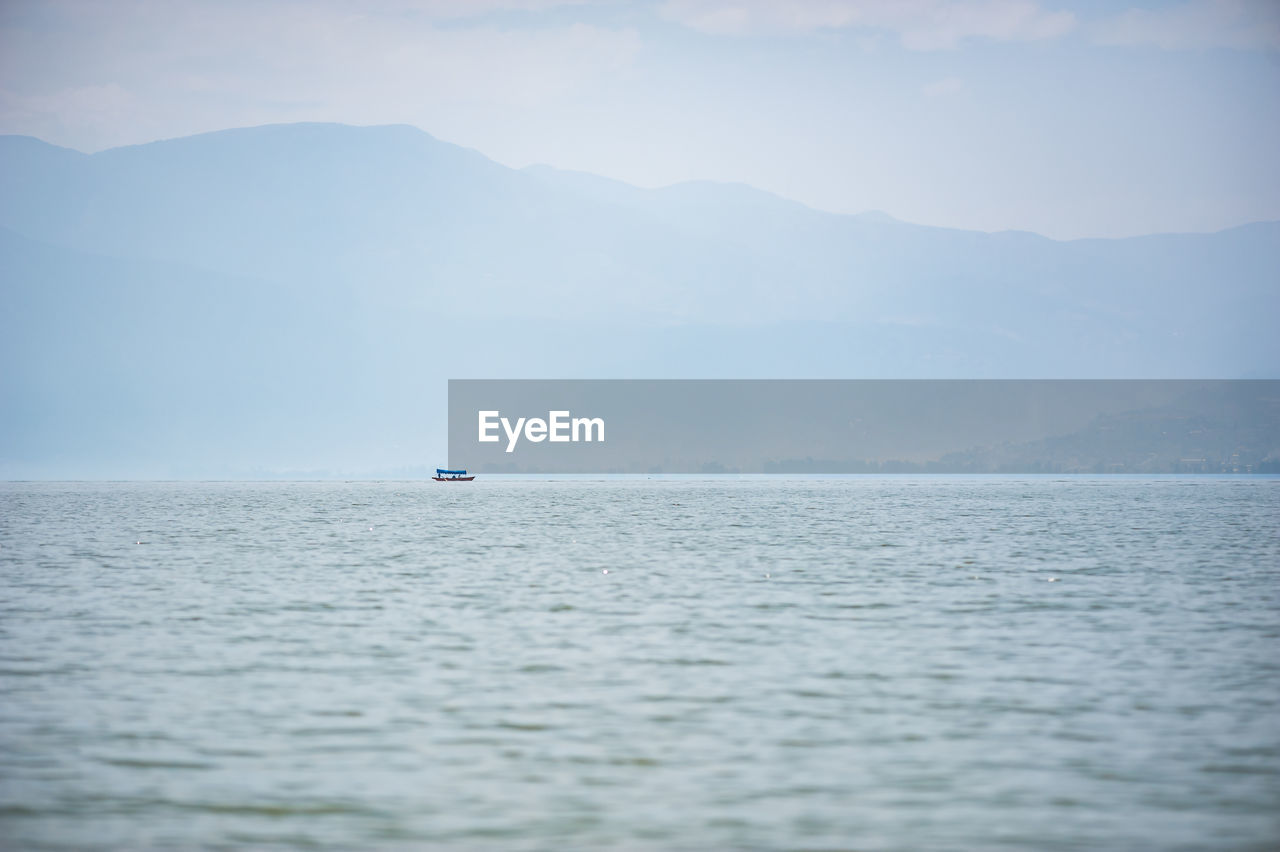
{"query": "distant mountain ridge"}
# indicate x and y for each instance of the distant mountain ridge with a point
(296, 295)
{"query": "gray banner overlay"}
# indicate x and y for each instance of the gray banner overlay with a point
(785, 426)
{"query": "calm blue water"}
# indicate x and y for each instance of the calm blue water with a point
(864, 663)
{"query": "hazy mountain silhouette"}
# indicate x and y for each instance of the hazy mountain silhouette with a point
(295, 296)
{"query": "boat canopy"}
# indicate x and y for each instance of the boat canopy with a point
(441, 472)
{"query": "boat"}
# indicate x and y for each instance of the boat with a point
(443, 475)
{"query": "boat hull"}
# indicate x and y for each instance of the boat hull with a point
(453, 478)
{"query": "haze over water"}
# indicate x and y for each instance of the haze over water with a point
(871, 663)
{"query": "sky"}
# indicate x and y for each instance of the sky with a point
(1089, 119)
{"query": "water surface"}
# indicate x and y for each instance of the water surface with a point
(866, 663)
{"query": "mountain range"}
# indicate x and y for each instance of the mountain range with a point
(292, 298)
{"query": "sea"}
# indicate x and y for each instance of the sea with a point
(667, 663)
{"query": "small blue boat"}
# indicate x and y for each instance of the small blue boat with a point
(443, 475)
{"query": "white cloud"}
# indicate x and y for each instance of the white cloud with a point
(920, 24)
(97, 75)
(97, 109)
(943, 88)
(467, 8)
(1197, 25)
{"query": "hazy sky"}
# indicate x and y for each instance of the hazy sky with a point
(1070, 119)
